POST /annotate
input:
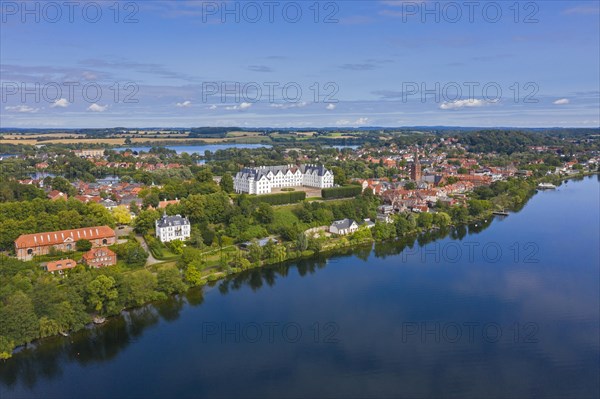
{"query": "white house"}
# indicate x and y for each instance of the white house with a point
(343, 227)
(263, 179)
(169, 228)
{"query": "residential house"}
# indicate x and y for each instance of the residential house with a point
(99, 257)
(56, 195)
(169, 228)
(60, 266)
(343, 227)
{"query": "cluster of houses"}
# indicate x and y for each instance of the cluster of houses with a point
(27, 246)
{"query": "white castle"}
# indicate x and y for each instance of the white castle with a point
(262, 179)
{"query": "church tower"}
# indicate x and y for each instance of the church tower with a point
(415, 169)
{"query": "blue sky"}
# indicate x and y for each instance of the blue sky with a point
(354, 63)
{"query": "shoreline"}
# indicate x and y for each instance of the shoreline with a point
(211, 279)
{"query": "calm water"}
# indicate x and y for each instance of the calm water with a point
(198, 149)
(516, 316)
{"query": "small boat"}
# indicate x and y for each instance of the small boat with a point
(500, 213)
(98, 320)
(546, 186)
(64, 334)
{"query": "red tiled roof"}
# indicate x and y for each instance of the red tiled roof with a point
(61, 265)
(59, 237)
(92, 253)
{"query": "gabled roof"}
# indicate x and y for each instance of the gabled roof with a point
(59, 237)
(61, 265)
(97, 252)
(343, 224)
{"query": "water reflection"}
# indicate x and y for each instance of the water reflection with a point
(97, 344)
(370, 291)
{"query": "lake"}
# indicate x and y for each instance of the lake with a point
(507, 308)
(198, 149)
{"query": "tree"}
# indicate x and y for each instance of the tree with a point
(302, 242)
(169, 281)
(339, 176)
(152, 200)
(63, 185)
(6, 347)
(425, 220)
(226, 183)
(442, 219)
(131, 253)
(133, 208)
(255, 252)
(477, 207)
(83, 245)
(144, 222)
(121, 214)
(139, 288)
(193, 275)
(264, 213)
(176, 246)
(204, 175)
(19, 321)
(102, 294)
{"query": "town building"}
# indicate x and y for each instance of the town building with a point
(56, 195)
(263, 179)
(60, 266)
(89, 153)
(343, 227)
(29, 245)
(169, 228)
(415, 169)
(99, 257)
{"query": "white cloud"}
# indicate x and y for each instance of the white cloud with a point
(330, 107)
(290, 105)
(60, 103)
(212, 107)
(241, 107)
(22, 109)
(561, 101)
(89, 75)
(185, 104)
(346, 122)
(458, 104)
(97, 108)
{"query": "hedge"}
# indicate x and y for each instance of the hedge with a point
(341, 192)
(281, 198)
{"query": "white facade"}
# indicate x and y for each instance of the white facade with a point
(169, 228)
(263, 179)
(343, 227)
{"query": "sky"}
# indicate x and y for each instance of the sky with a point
(179, 63)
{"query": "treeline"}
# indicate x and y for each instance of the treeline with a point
(290, 197)
(341, 192)
(503, 141)
(212, 132)
(35, 304)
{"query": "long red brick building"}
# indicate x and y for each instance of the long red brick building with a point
(29, 245)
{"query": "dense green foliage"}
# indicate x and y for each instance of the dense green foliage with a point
(290, 197)
(341, 192)
(35, 304)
